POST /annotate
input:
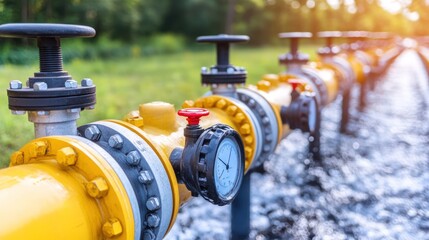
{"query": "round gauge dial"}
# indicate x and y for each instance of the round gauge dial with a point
(227, 168)
(220, 164)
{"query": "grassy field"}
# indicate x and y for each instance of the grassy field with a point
(123, 84)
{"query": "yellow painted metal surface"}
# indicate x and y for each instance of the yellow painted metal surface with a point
(223, 110)
(357, 68)
(60, 188)
(42, 201)
(329, 77)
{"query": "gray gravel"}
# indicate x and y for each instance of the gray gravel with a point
(373, 183)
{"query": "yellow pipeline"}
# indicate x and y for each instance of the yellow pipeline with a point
(67, 186)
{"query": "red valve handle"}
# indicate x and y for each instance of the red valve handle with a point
(294, 83)
(193, 114)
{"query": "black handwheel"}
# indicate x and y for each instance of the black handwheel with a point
(223, 71)
(56, 94)
(294, 56)
(48, 39)
(329, 48)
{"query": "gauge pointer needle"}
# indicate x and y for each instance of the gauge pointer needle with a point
(223, 162)
(229, 158)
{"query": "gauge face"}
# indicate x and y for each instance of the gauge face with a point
(227, 168)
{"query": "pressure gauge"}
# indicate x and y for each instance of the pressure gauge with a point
(227, 168)
(212, 162)
(221, 150)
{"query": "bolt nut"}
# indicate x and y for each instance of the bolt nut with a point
(70, 84)
(112, 228)
(92, 133)
(66, 156)
(97, 188)
(42, 113)
(145, 177)
(17, 158)
(148, 235)
(73, 110)
(230, 70)
(153, 220)
(86, 82)
(245, 129)
(204, 70)
(133, 158)
(15, 84)
(116, 141)
(18, 112)
(153, 204)
(38, 148)
(40, 86)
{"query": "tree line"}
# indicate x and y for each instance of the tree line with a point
(130, 20)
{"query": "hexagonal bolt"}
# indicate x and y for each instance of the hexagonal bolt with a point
(15, 84)
(112, 228)
(97, 188)
(70, 84)
(42, 113)
(116, 141)
(18, 112)
(66, 156)
(92, 133)
(153, 220)
(86, 82)
(92, 107)
(153, 204)
(17, 158)
(73, 110)
(40, 86)
(133, 158)
(148, 235)
(38, 148)
(145, 177)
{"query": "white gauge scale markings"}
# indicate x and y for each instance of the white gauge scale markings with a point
(227, 167)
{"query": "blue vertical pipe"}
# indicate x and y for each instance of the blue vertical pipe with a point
(240, 211)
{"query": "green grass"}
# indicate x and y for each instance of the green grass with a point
(123, 84)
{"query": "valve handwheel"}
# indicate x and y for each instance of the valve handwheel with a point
(57, 95)
(223, 72)
(193, 114)
(294, 56)
(212, 163)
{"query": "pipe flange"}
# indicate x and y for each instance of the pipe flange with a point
(29, 99)
(321, 88)
(88, 162)
(243, 122)
(266, 118)
(144, 169)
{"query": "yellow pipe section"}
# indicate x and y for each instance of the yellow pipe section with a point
(61, 188)
(42, 201)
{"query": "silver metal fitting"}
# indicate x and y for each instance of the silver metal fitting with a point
(15, 84)
(18, 112)
(145, 177)
(92, 133)
(153, 204)
(153, 220)
(73, 110)
(204, 70)
(148, 235)
(133, 158)
(116, 141)
(42, 113)
(70, 84)
(86, 82)
(230, 70)
(40, 86)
